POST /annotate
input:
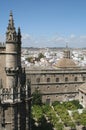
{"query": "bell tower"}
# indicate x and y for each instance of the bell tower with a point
(67, 52)
(11, 54)
(15, 95)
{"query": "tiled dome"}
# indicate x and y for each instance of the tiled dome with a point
(66, 63)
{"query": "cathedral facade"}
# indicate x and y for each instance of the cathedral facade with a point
(14, 91)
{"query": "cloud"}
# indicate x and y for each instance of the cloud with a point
(72, 36)
(77, 41)
(26, 36)
(27, 40)
(42, 41)
(2, 38)
(53, 41)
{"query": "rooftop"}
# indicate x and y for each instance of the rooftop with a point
(66, 63)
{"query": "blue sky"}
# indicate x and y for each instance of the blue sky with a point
(46, 23)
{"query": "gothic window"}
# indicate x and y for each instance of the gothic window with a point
(48, 79)
(57, 79)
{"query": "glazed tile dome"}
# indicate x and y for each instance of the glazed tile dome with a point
(66, 61)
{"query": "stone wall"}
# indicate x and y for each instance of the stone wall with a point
(55, 85)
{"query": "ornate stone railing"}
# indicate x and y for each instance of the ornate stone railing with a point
(11, 70)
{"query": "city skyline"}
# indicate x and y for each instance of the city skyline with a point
(47, 23)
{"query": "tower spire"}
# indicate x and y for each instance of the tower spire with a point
(11, 32)
(11, 21)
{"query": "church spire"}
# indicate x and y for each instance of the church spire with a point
(11, 21)
(11, 32)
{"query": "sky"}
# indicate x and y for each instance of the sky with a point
(46, 23)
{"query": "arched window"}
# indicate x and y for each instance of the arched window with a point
(76, 79)
(57, 79)
(66, 79)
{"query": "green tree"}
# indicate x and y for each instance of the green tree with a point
(40, 55)
(36, 98)
(76, 116)
(59, 126)
(29, 59)
(83, 118)
(72, 125)
(55, 103)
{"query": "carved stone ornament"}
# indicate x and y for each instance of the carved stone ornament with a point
(11, 36)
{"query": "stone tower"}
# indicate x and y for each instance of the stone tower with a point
(15, 95)
(11, 54)
(67, 53)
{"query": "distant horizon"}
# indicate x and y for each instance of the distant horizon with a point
(54, 47)
(46, 23)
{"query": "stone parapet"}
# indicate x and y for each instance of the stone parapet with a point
(11, 70)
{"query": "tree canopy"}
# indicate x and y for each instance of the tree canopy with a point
(36, 98)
